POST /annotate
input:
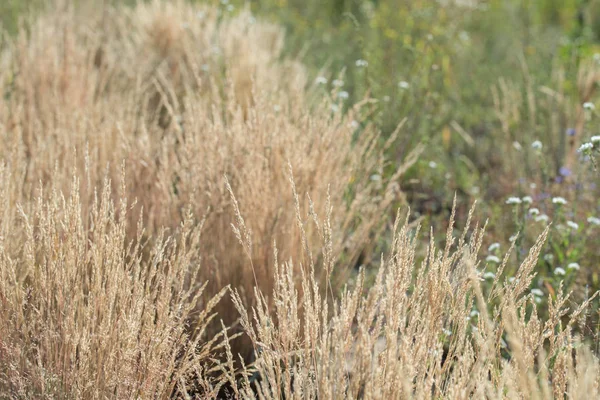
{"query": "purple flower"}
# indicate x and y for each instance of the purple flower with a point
(570, 132)
(564, 171)
(542, 196)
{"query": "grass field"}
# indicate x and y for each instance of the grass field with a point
(309, 199)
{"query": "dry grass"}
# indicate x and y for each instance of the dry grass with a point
(153, 157)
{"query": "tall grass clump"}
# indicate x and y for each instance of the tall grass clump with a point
(195, 104)
(420, 331)
(89, 313)
(153, 158)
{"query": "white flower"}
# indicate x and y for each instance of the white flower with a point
(489, 275)
(447, 332)
(588, 105)
(361, 63)
(403, 85)
(593, 220)
(527, 199)
(375, 177)
(511, 279)
(513, 237)
(387, 99)
(585, 147)
(276, 108)
(573, 225)
(321, 80)
(534, 211)
(542, 217)
(494, 246)
(595, 139)
(548, 257)
(537, 292)
(559, 200)
(493, 259)
(354, 124)
(537, 145)
(335, 108)
(343, 94)
(338, 83)
(559, 271)
(432, 164)
(574, 266)
(513, 200)
(517, 146)
(474, 313)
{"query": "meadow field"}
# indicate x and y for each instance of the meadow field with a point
(286, 199)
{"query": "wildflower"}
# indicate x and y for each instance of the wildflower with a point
(321, 80)
(559, 200)
(447, 332)
(338, 83)
(343, 94)
(573, 225)
(513, 200)
(513, 238)
(564, 171)
(593, 220)
(493, 259)
(375, 177)
(527, 199)
(517, 146)
(489, 275)
(276, 108)
(585, 147)
(588, 105)
(542, 217)
(335, 108)
(548, 257)
(494, 246)
(595, 139)
(474, 313)
(432, 164)
(534, 211)
(570, 132)
(574, 266)
(537, 145)
(361, 63)
(512, 279)
(403, 85)
(537, 292)
(559, 271)
(230, 7)
(354, 124)
(387, 99)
